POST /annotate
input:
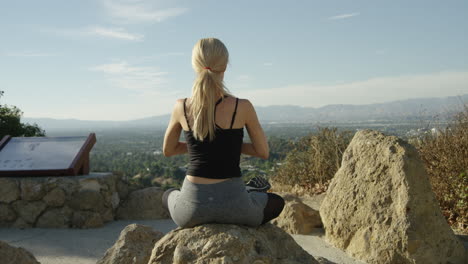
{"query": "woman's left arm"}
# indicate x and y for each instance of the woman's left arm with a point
(172, 146)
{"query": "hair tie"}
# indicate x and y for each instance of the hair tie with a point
(207, 68)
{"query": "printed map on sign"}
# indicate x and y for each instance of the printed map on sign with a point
(40, 153)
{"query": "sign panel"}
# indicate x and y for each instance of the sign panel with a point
(45, 155)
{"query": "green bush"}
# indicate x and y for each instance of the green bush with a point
(10, 123)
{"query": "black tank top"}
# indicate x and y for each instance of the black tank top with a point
(217, 159)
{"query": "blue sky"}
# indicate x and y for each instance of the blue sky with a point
(128, 59)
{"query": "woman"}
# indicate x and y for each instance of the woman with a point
(213, 122)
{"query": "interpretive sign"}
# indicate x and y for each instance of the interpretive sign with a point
(45, 156)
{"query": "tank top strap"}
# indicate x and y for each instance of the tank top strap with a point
(219, 100)
(216, 105)
(234, 114)
(185, 114)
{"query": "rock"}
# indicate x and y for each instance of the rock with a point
(90, 184)
(9, 190)
(380, 207)
(15, 255)
(32, 189)
(55, 218)
(29, 211)
(115, 200)
(323, 260)
(86, 219)
(143, 204)
(122, 189)
(133, 246)
(107, 215)
(296, 217)
(87, 200)
(55, 198)
(281, 187)
(21, 224)
(222, 243)
(6, 213)
(67, 184)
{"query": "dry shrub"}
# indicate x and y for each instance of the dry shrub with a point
(445, 155)
(314, 160)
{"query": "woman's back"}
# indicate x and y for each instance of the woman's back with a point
(218, 158)
(225, 112)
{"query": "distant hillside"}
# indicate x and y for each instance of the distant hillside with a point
(411, 109)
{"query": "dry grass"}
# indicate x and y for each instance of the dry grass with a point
(314, 160)
(445, 155)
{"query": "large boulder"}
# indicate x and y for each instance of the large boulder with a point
(222, 243)
(297, 217)
(143, 204)
(380, 207)
(14, 255)
(134, 246)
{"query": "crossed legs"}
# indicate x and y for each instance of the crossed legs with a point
(273, 208)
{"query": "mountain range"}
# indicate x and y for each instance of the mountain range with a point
(406, 110)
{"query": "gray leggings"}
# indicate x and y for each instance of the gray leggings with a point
(225, 202)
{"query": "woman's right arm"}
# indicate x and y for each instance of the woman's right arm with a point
(259, 146)
(171, 145)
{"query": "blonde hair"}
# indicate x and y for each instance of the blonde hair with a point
(209, 60)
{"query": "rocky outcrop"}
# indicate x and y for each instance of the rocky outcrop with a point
(297, 217)
(221, 243)
(143, 204)
(134, 246)
(14, 255)
(380, 207)
(73, 201)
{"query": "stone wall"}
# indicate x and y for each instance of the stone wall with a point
(72, 201)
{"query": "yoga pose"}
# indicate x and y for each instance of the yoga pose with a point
(213, 122)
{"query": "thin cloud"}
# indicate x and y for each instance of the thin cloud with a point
(118, 33)
(375, 90)
(113, 33)
(30, 54)
(139, 12)
(267, 64)
(243, 77)
(343, 16)
(142, 79)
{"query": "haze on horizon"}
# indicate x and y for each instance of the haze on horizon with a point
(130, 59)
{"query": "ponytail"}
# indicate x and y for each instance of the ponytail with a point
(209, 60)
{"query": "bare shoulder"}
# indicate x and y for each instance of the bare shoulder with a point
(178, 109)
(245, 104)
(179, 103)
(246, 110)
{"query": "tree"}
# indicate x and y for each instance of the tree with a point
(10, 123)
